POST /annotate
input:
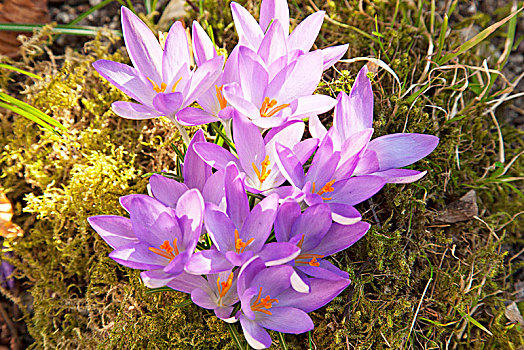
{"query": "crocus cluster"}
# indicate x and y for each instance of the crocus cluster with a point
(247, 226)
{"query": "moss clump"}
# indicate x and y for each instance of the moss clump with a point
(413, 280)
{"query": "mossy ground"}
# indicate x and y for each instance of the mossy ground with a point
(415, 283)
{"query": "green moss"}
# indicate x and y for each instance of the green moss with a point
(82, 299)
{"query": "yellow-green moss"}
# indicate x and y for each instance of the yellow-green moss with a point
(82, 299)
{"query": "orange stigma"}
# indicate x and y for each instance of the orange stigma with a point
(262, 175)
(220, 96)
(311, 259)
(265, 303)
(269, 108)
(223, 287)
(240, 246)
(166, 250)
(327, 188)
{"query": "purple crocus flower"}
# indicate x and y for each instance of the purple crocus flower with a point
(270, 101)
(6, 270)
(156, 237)
(239, 233)
(317, 237)
(161, 80)
(383, 156)
(300, 41)
(268, 301)
(320, 184)
(256, 155)
(197, 174)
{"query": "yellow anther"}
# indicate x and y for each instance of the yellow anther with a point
(240, 246)
(266, 303)
(311, 259)
(175, 84)
(262, 175)
(166, 250)
(327, 188)
(157, 89)
(266, 111)
(223, 287)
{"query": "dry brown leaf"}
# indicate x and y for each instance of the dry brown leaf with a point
(513, 314)
(7, 228)
(461, 210)
(19, 11)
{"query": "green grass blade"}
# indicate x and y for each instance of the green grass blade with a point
(477, 39)
(29, 116)
(58, 29)
(159, 289)
(30, 109)
(90, 11)
(219, 131)
(18, 70)
(235, 336)
(475, 322)
(442, 36)
(282, 340)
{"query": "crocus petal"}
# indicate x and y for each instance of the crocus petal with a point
(239, 259)
(259, 222)
(220, 228)
(130, 110)
(202, 299)
(286, 216)
(247, 273)
(142, 46)
(186, 282)
(156, 278)
(190, 213)
(322, 292)
(153, 222)
(196, 171)
(117, 231)
(274, 9)
(325, 270)
(400, 176)
(214, 155)
(206, 262)
(249, 145)
(138, 256)
(273, 46)
(168, 104)
(248, 30)
(304, 35)
(231, 93)
(236, 198)
(287, 319)
(300, 282)
(313, 104)
(314, 223)
(344, 214)
(340, 237)
(333, 54)
(256, 336)
(203, 47)
(304, 149)
(192, 116)
(166, 190)
(398, 150)
(274, 280)
(176, 265)
(354, 113)
(351, 150)
(323, 165)
(316, 128)
(277, 253)
(214, 191)
(302, 80)
(289, 165)
(224, 313)
(356, 189)
(176, 51)
(204, 78)
(125, 78)
(253, 75)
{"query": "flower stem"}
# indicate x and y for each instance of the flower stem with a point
(282, 341)
(235, 336)
(182, 132)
